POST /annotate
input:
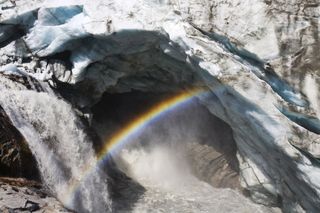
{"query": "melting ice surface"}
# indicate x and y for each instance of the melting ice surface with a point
(258, 68)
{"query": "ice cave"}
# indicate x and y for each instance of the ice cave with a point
(159, 106)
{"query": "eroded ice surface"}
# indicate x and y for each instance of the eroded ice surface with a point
(255, 57)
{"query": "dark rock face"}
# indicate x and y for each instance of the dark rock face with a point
(220, 169)
(16, 159)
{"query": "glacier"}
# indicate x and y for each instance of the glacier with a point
(259, 59)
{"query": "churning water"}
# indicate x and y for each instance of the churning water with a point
(171, 187)
(63, 151)
(61, 147)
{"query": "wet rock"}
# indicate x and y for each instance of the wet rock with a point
(26, 197)
(16, 159)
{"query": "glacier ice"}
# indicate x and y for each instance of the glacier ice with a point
(246, 52)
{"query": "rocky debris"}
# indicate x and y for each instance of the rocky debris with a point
(21, 195)
(60, 70)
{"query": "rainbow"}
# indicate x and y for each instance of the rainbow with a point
(122, 137)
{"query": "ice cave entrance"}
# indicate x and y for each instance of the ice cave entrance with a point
(185, 141)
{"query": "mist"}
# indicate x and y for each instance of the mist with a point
(181, 144)
(181, 158)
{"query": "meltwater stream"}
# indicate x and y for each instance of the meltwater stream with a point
(171, 187)
(61, 147)
(64, 151)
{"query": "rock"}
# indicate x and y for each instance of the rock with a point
(16, 159)
(20, 201)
